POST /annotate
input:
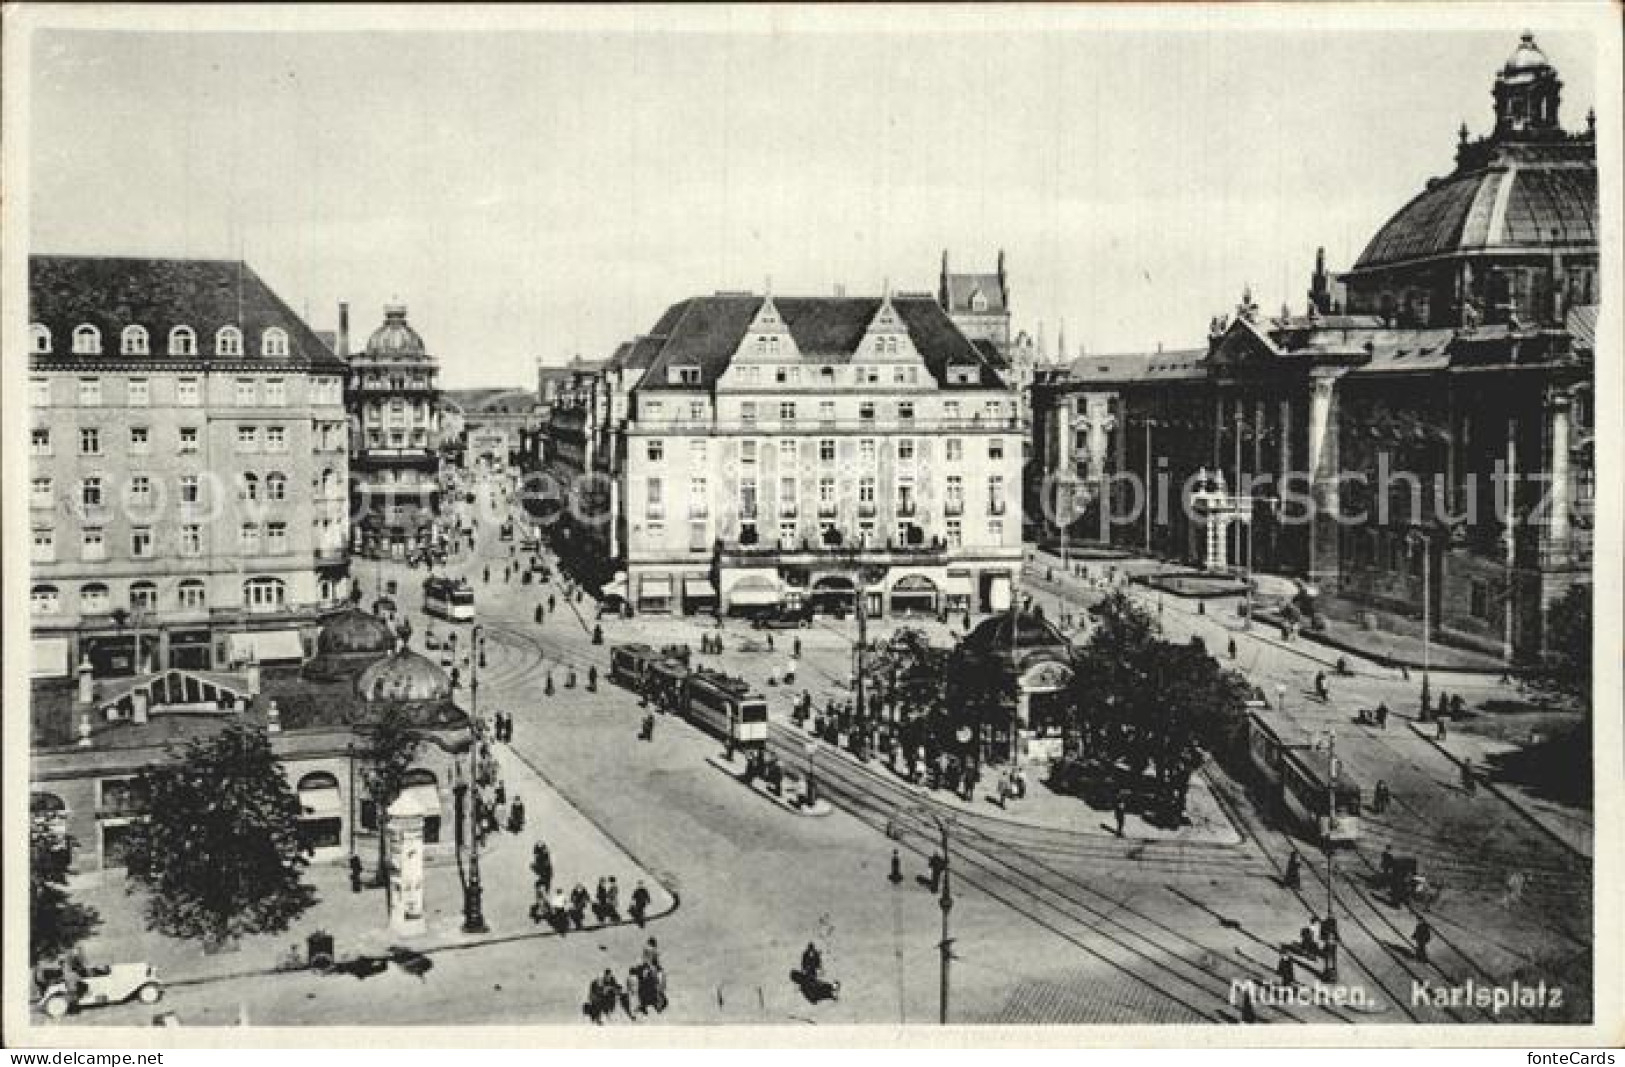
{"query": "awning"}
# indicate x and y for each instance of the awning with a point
(699, 587)
(421, 800)
(321, 802)
(756, 590)
(654, 588)
(267, 646)
(615, 587)
(50, 657)
(959, 585)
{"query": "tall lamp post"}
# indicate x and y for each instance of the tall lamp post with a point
(1420, 536)
(468, 836)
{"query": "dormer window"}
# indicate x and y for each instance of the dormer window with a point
(133, 341)
(182, 341)
(683, 375)
(274, 342)
(978, 302)
(87, 341)
(39, 340)
(228, 341)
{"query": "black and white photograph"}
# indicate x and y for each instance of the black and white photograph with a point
(1033, 520)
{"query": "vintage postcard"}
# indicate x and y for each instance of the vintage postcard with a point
(997, 524)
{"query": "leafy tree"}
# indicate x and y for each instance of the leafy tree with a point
(55, 922)
(1565, 672)
(219, 851)
(391, 749)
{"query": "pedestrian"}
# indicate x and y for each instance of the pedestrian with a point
(1309, 939)
(1382, 716)
(538, 613)
(1386, 864)
(640, 903)
(896, 875)
(600, 899)
(501, 792)
(1380, 797)
(1443, 733)
(541, 865)
(633, 985)
(651, 955)
(1293, 875)
(611, 995)
(579, 899)
(1468, 781)
(613, 900)
(1284, 972)
(795, 648)
(1120, 815)
(1232, 647)
(550, 602)
(770, 642)
(516, 816)
(1320, 685)
(592, 678)
(355, 873)
(1329, 971)
(558, 911)
(594, 1004)
(487, 576)
(1458, 707)
(1422, 935)
(936, 864)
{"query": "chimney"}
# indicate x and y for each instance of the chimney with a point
(344, 329)
(87, 686)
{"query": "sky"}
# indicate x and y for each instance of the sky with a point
(535, 194)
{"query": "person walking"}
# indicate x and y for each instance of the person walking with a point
(1232, 648)
(1380, 796)
(613, 900)
(579, 899)
(640, 903)
(1469, 781)
(541, 865)
(355, 873)
(1293, 877)
(1120, 815)
(896, 875)
(1422, 936)
(936, 865)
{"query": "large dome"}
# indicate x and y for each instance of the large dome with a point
(395, 338)
(405, 678)
(1513, 207)
(1527, 57)
(355, 631)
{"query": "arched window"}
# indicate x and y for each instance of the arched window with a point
(39, 340)
(143, 596)
(274, 342)
(93, 599)
(228, 341)
(133, 341)
(276, 486)
(193, 595)
(264, 594)
(45, 600)
(318, 780)
(87, 341)
(182, 341)
(249, 488)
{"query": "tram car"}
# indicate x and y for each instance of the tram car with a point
(448, 598)
(629, 666)
(1317, 799)
(726, 707)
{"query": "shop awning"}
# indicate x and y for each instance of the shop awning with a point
(615, 586)
(321, 802)
(50, 657)
(958, 585)
(423, 800)
(756, 590)
(654, 588)
(267, 646)
(699, 587)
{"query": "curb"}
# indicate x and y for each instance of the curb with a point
(820, 807)
(1396, 662)
(1510, 802)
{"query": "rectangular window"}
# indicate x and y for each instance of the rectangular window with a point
(866, 411)
(656, 450)
(247, 394)
(39, 442)
(956, 533)
(905, 499)
(188, 441)
(747, 411)
(654, 506)
(696, 453)
(276, 538)
(90, 392)
(953, 450)
(866, 495)
(995, 531)
(787, 454)
(747, 498)
(995, 448)
(696, 410)
(826, 496)
(655, 410)
(950, 410)
(276, 439)
(248, 439)
(954, 496)
(93, 545)
(90, 493)
(138, 440)
(191, 544)
(995, 494)
(788, 496)
(39, 392)
(866, 451)
(141, 542)
(39, 494)
(248, 539)
(826, 450)
(90, 441)
(826, 411)
(747, 451)
(897, 376)
(186, 392)
(905, 411)
(276, 393)
(905, 449)
(871, 376)
(787, 411)
(44, 546)
(140, 489)
(787, 534)
(189, 489)
(699, 498)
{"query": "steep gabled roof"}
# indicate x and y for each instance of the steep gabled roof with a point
(112, 292)
(962, 290)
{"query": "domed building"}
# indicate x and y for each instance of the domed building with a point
(1007, 684)
(1370, 438)
(351, 642)
(412, 681)
(394, 404)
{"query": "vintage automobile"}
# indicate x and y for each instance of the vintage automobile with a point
(784, 617)
(98, 986)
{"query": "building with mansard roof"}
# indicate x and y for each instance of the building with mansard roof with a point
(187, 468)
(783, 448)
(1363, 446)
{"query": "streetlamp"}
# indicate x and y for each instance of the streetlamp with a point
(945, 901)
(468, 835)
(1418, 535)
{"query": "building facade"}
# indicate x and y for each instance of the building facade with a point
(187, 468)
(1422, 433)
(393, 397)
(784, 448)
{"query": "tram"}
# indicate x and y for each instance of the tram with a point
(629, 666)
(1320, 795)
(726, 707)
(448, 598)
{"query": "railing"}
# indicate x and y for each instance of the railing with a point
(657, 427)
(932, 551)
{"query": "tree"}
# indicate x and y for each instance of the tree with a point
(391, 748)
(219, 850)
(55, 922)
(1565, 671)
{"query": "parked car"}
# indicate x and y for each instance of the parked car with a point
(98, 986)
(784, 617)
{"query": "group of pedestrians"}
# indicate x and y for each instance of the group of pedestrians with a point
(643, 989)
(565, 912)
(502, 727)
(1317, 944)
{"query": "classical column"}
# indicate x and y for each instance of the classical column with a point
(1559, 407)
(1323, 470)
(1286, 438)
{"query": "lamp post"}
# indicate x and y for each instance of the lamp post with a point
(468, 834)
(945, 902)
(1425, 539)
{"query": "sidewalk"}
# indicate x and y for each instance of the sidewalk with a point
(359, 922)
